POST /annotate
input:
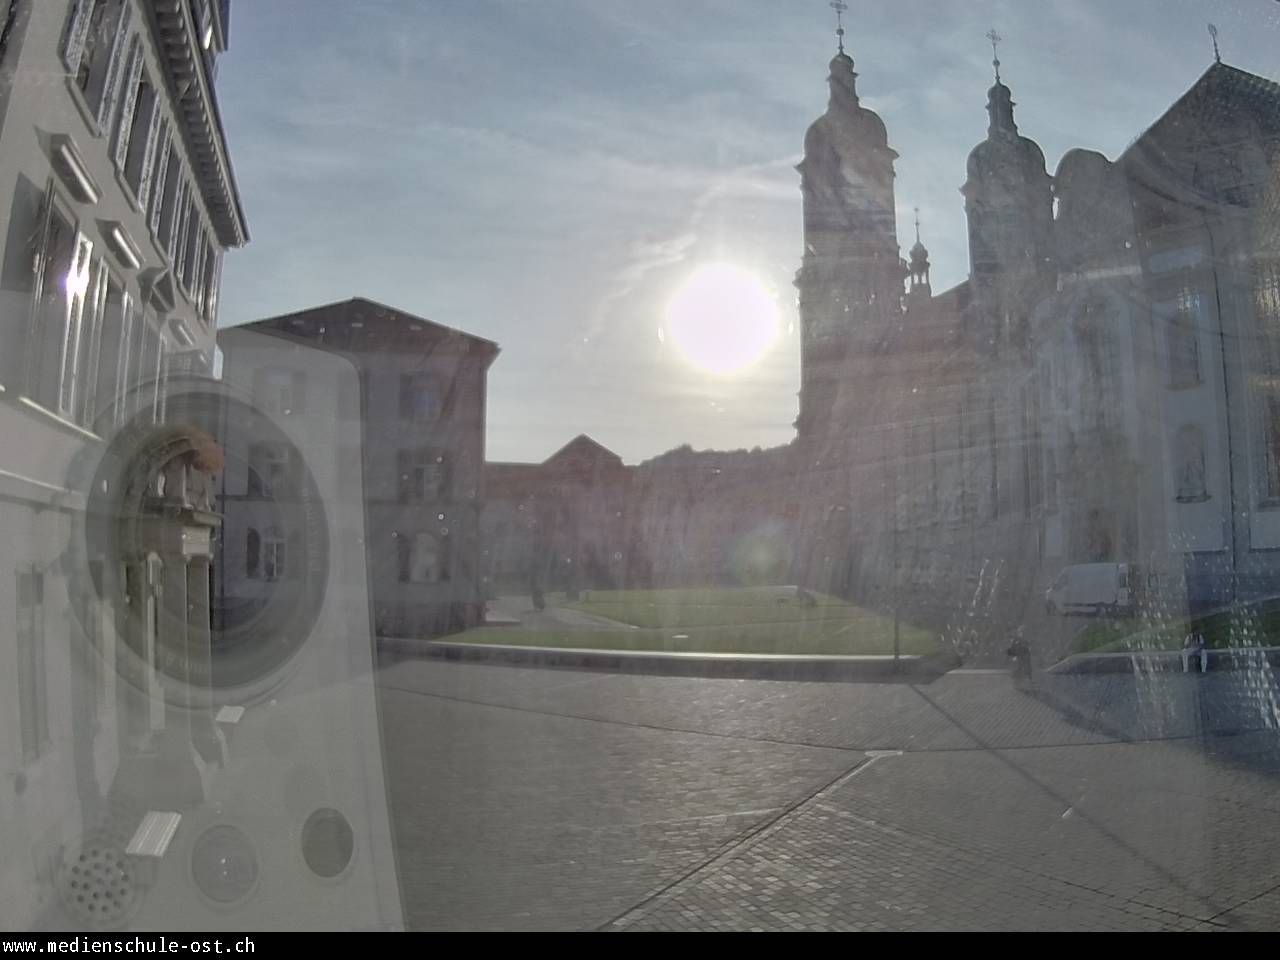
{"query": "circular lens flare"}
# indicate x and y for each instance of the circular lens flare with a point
(722, 319)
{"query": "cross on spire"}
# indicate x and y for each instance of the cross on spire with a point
(1213, 32)
(996, 40)
(917, 224)
(839, 6)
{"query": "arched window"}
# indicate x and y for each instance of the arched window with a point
(1190, 465)
(252, 553)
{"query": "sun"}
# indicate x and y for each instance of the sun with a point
(722, 319)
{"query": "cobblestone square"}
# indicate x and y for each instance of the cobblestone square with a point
(545, 799)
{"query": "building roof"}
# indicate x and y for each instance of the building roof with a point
(583, 447)
(580, 448)
(1221, 91)
(1224, 108)
(360, 325)
(178, 43)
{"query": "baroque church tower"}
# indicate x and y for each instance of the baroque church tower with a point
(1009, 203)
(850, 280)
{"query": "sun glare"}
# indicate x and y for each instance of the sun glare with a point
(722, 319)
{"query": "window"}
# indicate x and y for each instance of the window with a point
(1184, 341)
(212, 277)
(190, 251)
(273, 555)
(89, 349)
(269, 473)
(151, 361)
(113, 359)
(33, 710)
(279, 391)
(62, 284)
(1266, 302)
(252, 553)
(1266, 290)
(163, 362)
(175, 202)
(197, 273)
(79, 295)
(1190, 465)
(90, 48)
(423, 476)
(20, 273)
(148, 350)
(164, 194)
(195, 270)
(155, 154)
(419, 397)
(422, 558)
(139, 127)
(1272, 407)
(187, 223)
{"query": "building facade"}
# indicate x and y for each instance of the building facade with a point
(419, 419)
(119, 203)
(563, 524)
(1096, 391)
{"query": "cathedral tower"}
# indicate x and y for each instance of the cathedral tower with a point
(1009, 203)
(850, 281)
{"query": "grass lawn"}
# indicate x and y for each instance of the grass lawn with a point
(1253, 627)
(748, 620)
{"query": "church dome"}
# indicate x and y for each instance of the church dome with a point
(1005, 152)
(846, 120)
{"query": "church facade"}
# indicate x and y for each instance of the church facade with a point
(1100, 388)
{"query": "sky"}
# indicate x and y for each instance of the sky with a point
(548, 173)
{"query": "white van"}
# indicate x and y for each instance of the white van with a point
(1097, 588)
